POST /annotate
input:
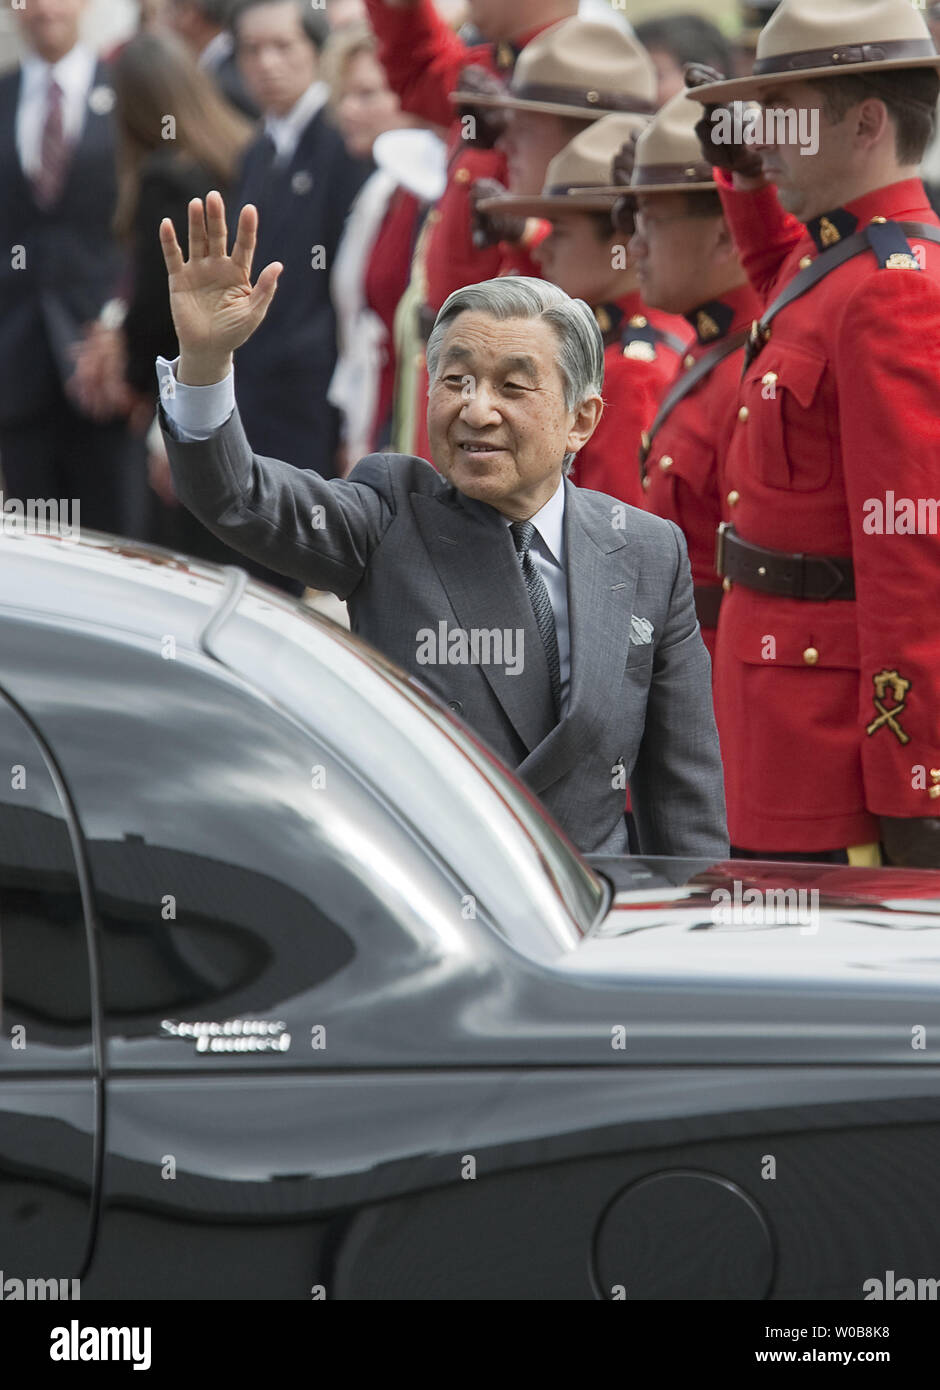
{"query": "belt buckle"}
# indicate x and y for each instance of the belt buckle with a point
(723, 526)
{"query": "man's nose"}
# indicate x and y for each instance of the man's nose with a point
(479, 404)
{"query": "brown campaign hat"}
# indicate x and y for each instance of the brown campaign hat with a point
(577, 68)
(806, 39)
(668, 155)
(573, 175)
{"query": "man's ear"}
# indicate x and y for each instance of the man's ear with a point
(586, 420)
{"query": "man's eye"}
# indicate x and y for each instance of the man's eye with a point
(513, 386)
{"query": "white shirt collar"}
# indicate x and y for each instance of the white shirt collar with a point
(73, 73)
(285, 131)
(549, 521)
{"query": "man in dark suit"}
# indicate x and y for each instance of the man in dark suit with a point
(204, 25)
(559, 622)
(58, 268)
(302, 180)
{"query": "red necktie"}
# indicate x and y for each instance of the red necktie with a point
(48, 182)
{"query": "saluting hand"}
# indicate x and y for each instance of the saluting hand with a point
(736, 159)
(214, 307)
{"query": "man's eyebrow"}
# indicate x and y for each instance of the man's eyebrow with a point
(520, 362)
(461, 354)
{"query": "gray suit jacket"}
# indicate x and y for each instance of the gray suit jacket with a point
(409, 552)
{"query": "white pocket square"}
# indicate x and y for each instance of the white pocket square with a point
(641, 631)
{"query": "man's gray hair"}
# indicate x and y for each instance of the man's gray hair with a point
(580, 345)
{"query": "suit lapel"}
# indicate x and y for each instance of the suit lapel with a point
(472, 551)
(280, 199)
(602, 579)
(96, 134)
(9, 102)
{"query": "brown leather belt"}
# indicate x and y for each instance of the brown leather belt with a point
(816, 577)
(707, 603)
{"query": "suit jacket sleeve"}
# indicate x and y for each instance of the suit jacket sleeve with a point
(421, 56)
(317, 530)
(677, 784)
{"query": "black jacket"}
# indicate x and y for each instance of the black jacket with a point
(67, 264)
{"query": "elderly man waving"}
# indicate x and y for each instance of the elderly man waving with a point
(559, 623)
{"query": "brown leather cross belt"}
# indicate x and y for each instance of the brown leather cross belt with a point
(778, 572)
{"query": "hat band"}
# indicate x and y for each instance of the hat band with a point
(671, 173)
(580, 96)
(561, 190)
(848, 54)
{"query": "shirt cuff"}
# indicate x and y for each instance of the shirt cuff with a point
(194, 412)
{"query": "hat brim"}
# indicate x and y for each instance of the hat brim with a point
(614, 191)
(546, 108)
(747, 88)
(594, 200)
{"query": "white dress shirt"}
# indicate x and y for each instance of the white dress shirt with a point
(196, 412)
(286, 131)
(74, 74)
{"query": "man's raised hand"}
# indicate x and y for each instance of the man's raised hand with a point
(214, 307)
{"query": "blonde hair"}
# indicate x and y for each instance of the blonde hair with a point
(341, 48)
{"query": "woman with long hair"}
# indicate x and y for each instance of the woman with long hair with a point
(177, 138)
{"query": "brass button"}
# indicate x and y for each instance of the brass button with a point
(768, 379)
(726, 585)
(665, 462)
(462, 176)
(933, 792)
(637, 321)
(805, 261)
(811, 656)
(879, 219)
(593, 97)
(734, 497)
(743, 413)
(688, 360)
(935, 774)
(646, 482)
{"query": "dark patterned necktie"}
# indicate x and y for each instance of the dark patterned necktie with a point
(53, 153)
(523, 534)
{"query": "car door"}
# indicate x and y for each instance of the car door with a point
(48, 1085)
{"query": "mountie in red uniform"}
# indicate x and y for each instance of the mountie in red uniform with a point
(683, 453)
(423, 59)
(642, 349)
(828, 661)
